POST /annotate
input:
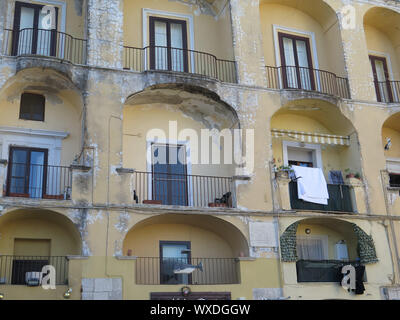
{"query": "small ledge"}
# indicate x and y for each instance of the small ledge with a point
(125, 170)
(126, 258)
(77, 257)
(80, 167)
(242, 178)
(3, 162)
(246, 259)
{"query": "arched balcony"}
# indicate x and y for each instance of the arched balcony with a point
(303, 48)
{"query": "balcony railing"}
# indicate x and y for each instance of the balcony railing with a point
(182, 190)
(27, 270)
(322, 270)
(292, 77)
(160, 58)
(388, 91)
(43, 42)
(39, 181)
(339, 199)
(161, 271)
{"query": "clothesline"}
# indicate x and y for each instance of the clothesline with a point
(309, 137)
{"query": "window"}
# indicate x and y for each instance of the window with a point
(30, 37)
(27, 172)
(32, 107)
(394, 180)
(170, 174)
(381, 79)
(168, 44)
(312, 248)
(173, 253)
(296, 62)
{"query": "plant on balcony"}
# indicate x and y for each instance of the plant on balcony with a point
(283, 171)
(350, 174)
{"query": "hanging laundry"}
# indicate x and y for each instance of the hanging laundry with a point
(312, 186)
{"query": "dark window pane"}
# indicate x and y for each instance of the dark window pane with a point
(395, 180)
(32, 107)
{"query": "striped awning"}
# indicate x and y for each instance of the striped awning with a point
(308, 137)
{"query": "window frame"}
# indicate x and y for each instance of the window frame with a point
(30, 108)
(168, 21)
(281, 36)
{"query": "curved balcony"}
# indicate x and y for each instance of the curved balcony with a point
(159, 58)
(45, 43)
(301, 78)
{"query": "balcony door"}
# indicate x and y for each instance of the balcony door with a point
(168, 45)
(27, 172)
(173, 254)
(169, 176)
(29, 35)
(296, 62)
(381, 79)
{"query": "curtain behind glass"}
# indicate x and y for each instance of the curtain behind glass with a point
(310, 249)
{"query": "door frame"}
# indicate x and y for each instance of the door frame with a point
(372, 59)
(17, 23)
(293, 37)
(189, 256)
(27, 173)
(168, 21)
(186, 181)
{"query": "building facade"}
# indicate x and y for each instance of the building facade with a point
(93, 91)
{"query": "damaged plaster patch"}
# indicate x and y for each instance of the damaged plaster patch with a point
(123, 222)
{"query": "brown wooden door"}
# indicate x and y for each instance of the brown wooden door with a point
(381, 79)
(297, 71)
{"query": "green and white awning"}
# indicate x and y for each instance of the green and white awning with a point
(308, 137)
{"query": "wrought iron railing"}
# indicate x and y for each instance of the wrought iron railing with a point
(39, 181)
(182, 190)
(27, 270)
(292, 77)
(339, 199)
(161, 58)
(322, 270)
(387, 91)
(213, 271)
(43, 42)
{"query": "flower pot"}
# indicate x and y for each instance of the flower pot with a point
(217, 205)
(282, 174)
(155, 202)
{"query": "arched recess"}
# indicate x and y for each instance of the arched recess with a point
(192, 122)
(210, 237)
(61, 131)
(314, 20)
(33, 231)
(326, 236)
(382, 33)
(317, 130)
(391, 147)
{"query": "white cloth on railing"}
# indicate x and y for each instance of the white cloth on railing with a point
(311, 185)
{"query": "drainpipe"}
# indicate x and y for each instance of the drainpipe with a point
(392, 231)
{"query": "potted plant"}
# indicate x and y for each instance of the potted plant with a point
(350, 174)
(283, 171)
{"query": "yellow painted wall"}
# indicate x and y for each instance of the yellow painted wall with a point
(211, 35)
(394, 151)
(145, 242)
(30, 227)
(140, 120)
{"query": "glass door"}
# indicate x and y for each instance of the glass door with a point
(174, 254)
(381, 79)
(168, 44)
(27, 172)
(296, 62)
(29, 35)
(169, 174)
